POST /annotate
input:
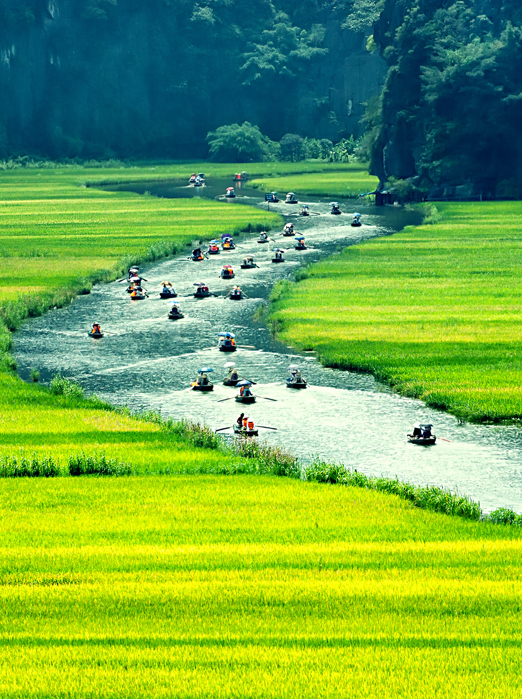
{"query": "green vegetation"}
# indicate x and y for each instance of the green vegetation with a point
(250, 587)
(446, 60)
(337, 180)
(434, 311)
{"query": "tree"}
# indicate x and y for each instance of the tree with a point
(292, 147)
(237, 144)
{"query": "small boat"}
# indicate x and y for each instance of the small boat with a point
(422, 435)
(228, 244)
(201, 175)
(198, 182)
(245, 394)
(175, 313)
(246, 399)
(248, 262)
(192, 178)
(300, 244)
(236, 294)
(133, 272)
(227, 272)
(335, 208)
(305, 211)
(95, 331)
(213, 247)
(202, 291)
(230, 194)
(246, 431)
(197, 255)
(356, 221)
(233, 376)
(202, 383)
(167, 291)
(137, 295)
(271, 197)
(295, 380)
(237, 177)
(288, 230)
(226, 342)
(291, 198)
(278, 255)
(263, 237)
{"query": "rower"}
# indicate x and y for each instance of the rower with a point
(239, 421)
(233, 374)
(95, 328)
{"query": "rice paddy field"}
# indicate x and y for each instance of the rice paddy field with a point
(178, 586)
(435, 310)
(346, 180)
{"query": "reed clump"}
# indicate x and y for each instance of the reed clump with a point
(24, 466)
(96, 464)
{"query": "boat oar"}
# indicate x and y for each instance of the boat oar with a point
(224, 428)
(272, 399)
(224, 399)
(444, 440)
(246, 346)
(266, 427)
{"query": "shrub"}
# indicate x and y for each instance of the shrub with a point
(96, 464)
(22, 466)
(60, 386)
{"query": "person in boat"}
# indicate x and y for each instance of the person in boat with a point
(289, 228)
(197, 254)
(417, 432)
(233, 374)
(240, 419)
(202, 379)
(95, 329)
(166, 289)
(296, 376)
(426, 432)
(305, 211)
(263, 235)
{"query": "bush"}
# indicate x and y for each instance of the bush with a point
(23, 466)
(96, 464)
(60, 386)
(504, 516)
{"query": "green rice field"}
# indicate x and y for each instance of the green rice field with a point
(250, 587)
(435, 310)
(342, 180)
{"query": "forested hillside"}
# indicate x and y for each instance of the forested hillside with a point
(96, 78)
(451, 109)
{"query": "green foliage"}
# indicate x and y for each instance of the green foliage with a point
(447, 62)
(237, 144)
(363, 14)
(96, 464)
(23, 466)
(292, 147)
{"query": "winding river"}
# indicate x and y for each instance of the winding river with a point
(147, 361)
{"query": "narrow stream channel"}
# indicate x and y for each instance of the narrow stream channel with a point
(147, 361)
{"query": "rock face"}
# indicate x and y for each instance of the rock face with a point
(100, 79)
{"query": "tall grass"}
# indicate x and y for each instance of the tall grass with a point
(349, 180)
(434, 311)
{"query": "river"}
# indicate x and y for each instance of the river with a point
(147, 361)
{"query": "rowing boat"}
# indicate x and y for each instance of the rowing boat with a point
(296, 384)
(245, 432)
(246, 399)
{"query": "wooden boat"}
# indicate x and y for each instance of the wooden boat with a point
(278, 257)
(96, 335)
(263, 240)
(296, 384)
(137, 296)
(422, 435)
(227, 272)
(227, 347)
(202, 291)
(228, 244)
(230, 194)
(291, 198)
(246, 399)
(236, 295)
(271, 197)
(175, 316)
(213, 249)
(288, 232)
(248, 263)
(424, 441)
(205, 388)
(226, 342)
(230, 382)
(168, 294)
(197, 258)
(245, 432)
(300, 245)
(335, 208)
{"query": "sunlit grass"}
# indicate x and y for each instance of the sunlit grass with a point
(350, 180)
(248, 587)
(434, 310)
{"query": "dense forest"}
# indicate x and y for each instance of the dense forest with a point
(129, 78)
(450, 112)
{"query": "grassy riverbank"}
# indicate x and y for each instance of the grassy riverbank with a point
(434, 310)
(250, 587)
(350, 180)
